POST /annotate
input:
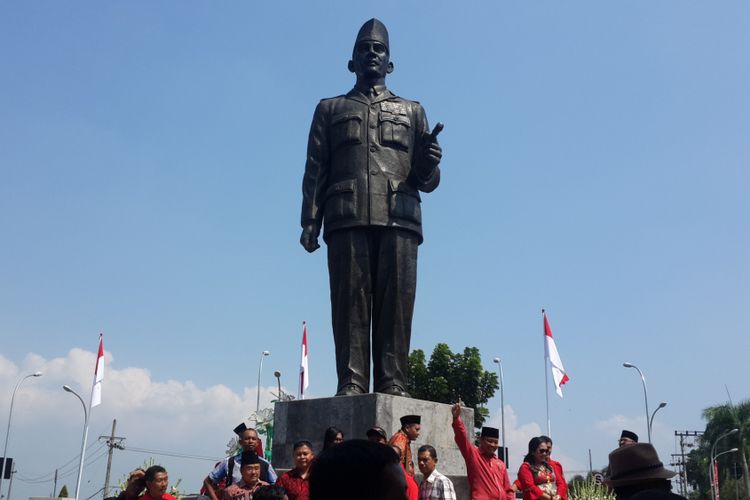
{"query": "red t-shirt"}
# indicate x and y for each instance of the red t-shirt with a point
(296, 486)
(165, 496)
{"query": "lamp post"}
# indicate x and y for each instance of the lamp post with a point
(7, 433)
(277, 374)
(502, 407)
(260, 369)
(651, 422)
(645, 395)
(711, 470)
(715, 469)
(83, 440)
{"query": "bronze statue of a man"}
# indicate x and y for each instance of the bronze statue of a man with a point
(369, 154)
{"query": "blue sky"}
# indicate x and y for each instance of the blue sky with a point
(151, 157)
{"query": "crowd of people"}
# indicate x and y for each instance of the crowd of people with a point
(382, 468)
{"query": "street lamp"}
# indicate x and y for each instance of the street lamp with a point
(7, 433)
(715, 468)
(711, 470)
(502, 408)
(83, 440)
(645, 395)
(651, 422)
(725, 452)
(277, 374)
(260, 369)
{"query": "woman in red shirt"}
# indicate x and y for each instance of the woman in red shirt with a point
(295, 481)
(536, 475)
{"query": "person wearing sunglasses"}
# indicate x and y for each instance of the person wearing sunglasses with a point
(557, 466)
(537, 476)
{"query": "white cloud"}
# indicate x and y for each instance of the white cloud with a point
(169, 415)
(614, 425)
(518, 436)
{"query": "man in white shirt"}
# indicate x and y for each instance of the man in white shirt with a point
(435, 486)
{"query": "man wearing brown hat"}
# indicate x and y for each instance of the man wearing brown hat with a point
(487, 474)
(411, 425)
(636, 467)
(369, 154)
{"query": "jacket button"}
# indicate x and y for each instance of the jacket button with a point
(373, 149)
(374, 125)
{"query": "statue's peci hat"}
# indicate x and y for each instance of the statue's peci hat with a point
(373, 30)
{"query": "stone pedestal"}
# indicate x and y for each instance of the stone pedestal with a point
(353, 415)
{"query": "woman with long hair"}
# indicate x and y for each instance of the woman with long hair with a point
(537, 477)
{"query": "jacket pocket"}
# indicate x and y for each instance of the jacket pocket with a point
(394, 130)
(404, 202)
(346, 129)
(341, 200)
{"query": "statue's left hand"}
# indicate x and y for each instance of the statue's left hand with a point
(431, 150)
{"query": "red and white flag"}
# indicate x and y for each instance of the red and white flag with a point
(96, 390)
(550, 350)
(304, 372)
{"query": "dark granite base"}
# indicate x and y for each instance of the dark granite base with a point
(308, 419)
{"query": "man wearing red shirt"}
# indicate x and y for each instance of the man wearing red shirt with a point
(409, 431)
(562, 490)
(488, 476)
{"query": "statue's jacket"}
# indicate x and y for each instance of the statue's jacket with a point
(364, 163)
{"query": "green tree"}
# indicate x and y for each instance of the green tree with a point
(63, 491)
(449, 376)
(719, 420)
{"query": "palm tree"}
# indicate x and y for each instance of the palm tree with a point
(723, 418)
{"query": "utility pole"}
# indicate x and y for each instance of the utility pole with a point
(687, 440)
(112, 443)
(54, 486)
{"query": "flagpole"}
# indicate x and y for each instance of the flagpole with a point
(546, 375)
(299, 374)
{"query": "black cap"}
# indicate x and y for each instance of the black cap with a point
(249, 458)
(376, 431)
(629, 435)
(242, 428)
(490, 432)
(411, 419)
(373, 30)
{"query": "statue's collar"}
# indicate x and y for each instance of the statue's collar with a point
(370, 94)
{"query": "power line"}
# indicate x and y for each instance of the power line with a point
(170, 454)
(70, 463)
(87, 463)
(96, 493)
